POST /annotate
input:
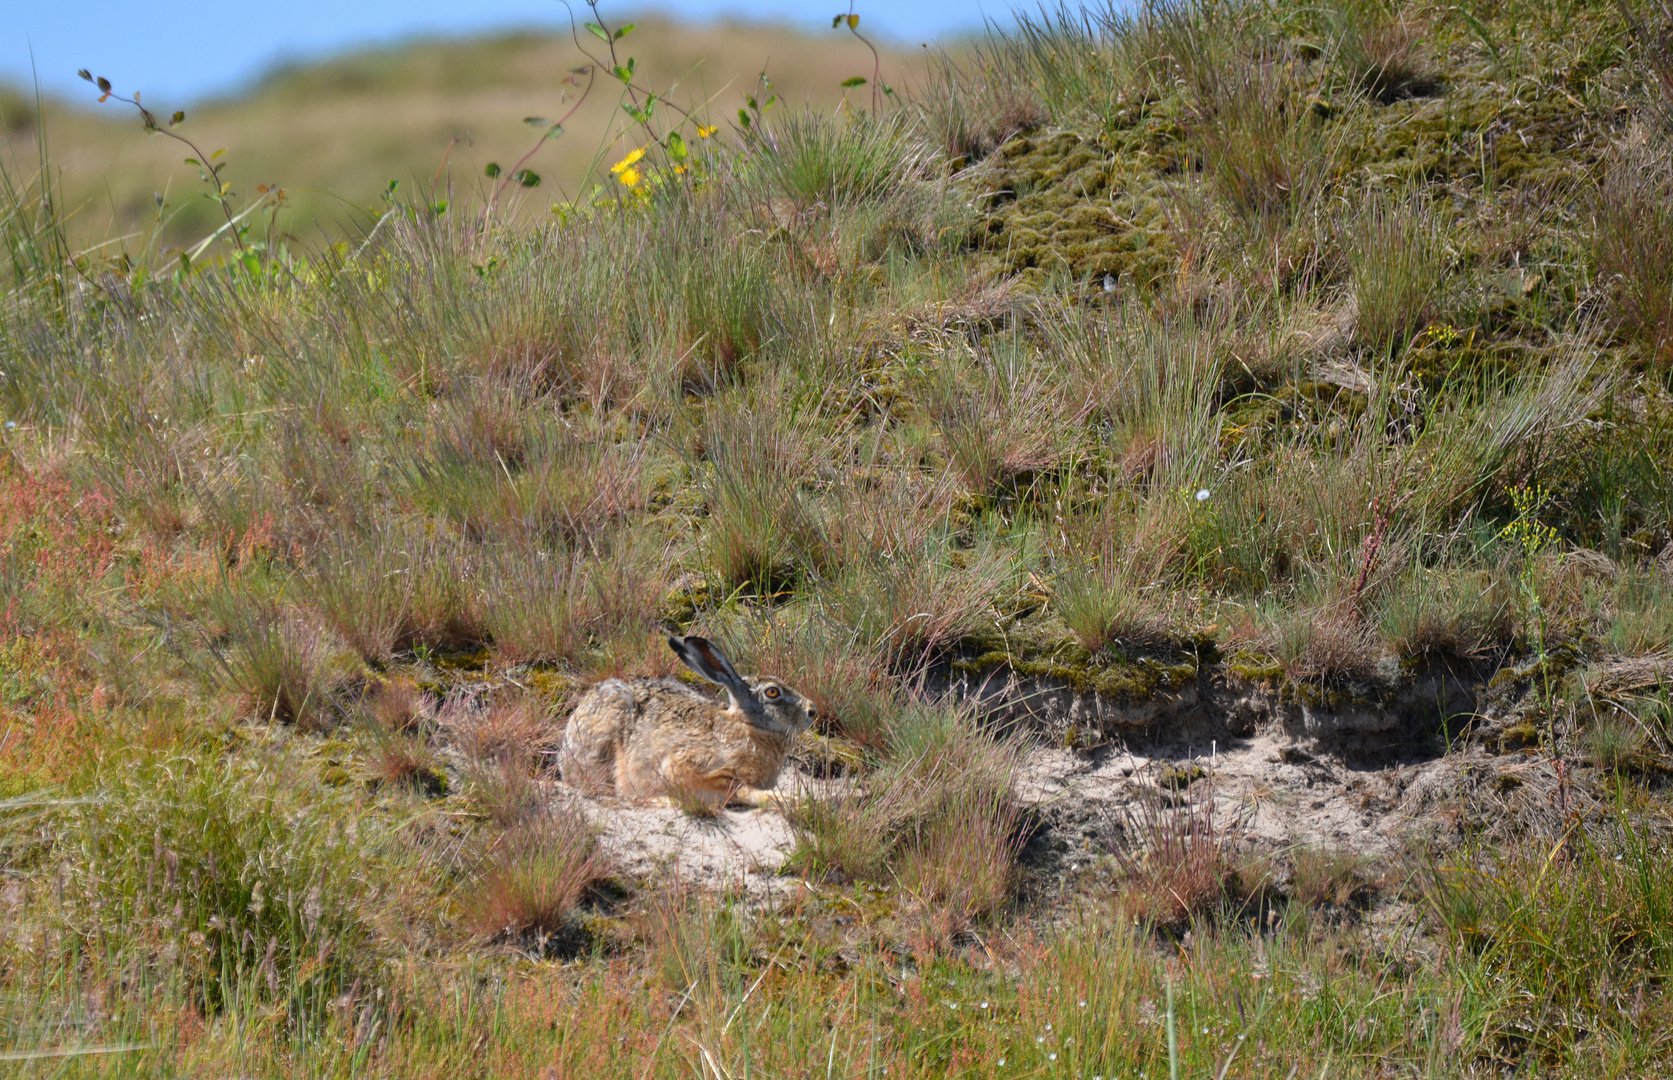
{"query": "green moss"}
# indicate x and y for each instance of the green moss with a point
(1081, 207)
(548, 682)
(1255, 668)
(1475, 131)
(472, 660)
(433, 782)
(1179, 777)
(14, 783)
(1120, 680)
(1434, 359)
(437, 687)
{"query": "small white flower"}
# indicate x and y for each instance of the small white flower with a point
(1083, 1004)
(1109, 283)
(984, 1004)
(1202, 495)
(1052, 1056)
(1001, 1061)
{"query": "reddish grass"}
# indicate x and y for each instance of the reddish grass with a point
(48, 741)
(535, 875)
(1174, 858)
(68, 532)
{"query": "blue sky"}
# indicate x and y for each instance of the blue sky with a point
(180, 50)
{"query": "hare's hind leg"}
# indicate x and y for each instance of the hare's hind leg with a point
(589, 755)
(719, 787)
(719, 798)
(681, 786)
(763, 798)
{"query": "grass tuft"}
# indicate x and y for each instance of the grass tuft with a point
(535, 874)
(1397, 259)
(1329, 876)
(281, 664)
(1377, 50)
(942, 811)
(1633, 246)
(1596, 898)
(1174, 859)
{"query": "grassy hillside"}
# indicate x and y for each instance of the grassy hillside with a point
(334, 133)
(1226, 376)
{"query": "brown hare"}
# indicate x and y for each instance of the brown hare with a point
(659, 737)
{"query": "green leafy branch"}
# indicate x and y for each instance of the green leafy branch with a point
(208, 165)
(551, 129)
(757, 107)
(641, 102)
(852, 21)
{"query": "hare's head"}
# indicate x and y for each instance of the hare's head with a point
(766, 703)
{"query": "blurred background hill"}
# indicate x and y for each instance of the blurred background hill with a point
(332, 133)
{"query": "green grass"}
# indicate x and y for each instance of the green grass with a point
(1216, 339)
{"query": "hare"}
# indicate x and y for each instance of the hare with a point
(655, 737)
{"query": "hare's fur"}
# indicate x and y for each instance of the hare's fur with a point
(659, 737)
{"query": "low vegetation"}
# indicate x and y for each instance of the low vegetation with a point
(1322, 350)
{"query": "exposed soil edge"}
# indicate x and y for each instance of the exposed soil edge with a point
(1224, 703)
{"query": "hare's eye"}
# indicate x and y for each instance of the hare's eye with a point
(771, 692)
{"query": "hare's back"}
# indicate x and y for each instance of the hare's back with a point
(686, 741)
(608, 714)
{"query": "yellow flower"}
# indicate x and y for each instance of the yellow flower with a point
(705, 130)
(628, 176)
(625, 165)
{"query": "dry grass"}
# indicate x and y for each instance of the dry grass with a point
(793, 398)
(405, 760)
(1614, 743)
(350, 126)
(1175, 861)
(1325, 645)
(400, 707)
(973, 107)
(1264, 150)
(1330, 876)
(1397, 259)
(281, 664)
(559, 607)
(535, 874)
(1633, 221)
(1440, 611)
(1378, 50)
(1107, 595)
(943, 813)
(1005, 422)
(503, 743)
(765, 533)
(517, 728)
(910, 607)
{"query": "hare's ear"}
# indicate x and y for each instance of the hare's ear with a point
(704, 657)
